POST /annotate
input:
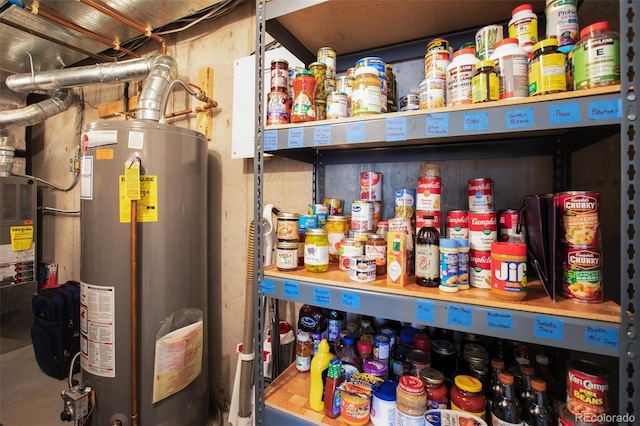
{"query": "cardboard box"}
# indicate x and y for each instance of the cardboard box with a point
(399, 259)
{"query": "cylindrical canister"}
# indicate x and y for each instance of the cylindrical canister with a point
(480, 268)
(337, 105)
(432, 92)
(405, 203)
(512, 65)
(486, 38)
(480, 191)
(371, 186)
(287, 256)
(428, 193)
(409, 102)
(457, 224)
(362, 269)
(485, 84)
(448, 265)
(509, 270)
(460, 75)
(483, 229)
(463, 263)
(436, 62)
(562, 23)
(587, 388)
(523, 26)
(579, 216)
(327, 55)
(277, 108)
(362, 216)
(508, 224)
(582, 274)
(547, 73)
(349, 247)
(596, 57)
(287, 227)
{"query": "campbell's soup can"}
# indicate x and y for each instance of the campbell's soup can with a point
(483, 230)
(437, 218)
(582, 274)
(371, 186)
(362, 216)
(428, 193)
(508, 227)
(579, 214)
(457, 224)
(480, 192)
(587, 389)
(480, 269)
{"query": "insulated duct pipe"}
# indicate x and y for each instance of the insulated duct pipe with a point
(59, 101)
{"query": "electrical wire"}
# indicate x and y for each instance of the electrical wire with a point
(76, 176)
(70, 376)
(55, 210)
(93, 405)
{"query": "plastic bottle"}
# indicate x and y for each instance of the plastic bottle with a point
(523, 26)
(512, 65)
(596, 57)
(448, 265)
(304, 351)
(506, 410)
(509, 270)
(459, 74)
(547, 72)
(485, 85)
(366, 331)
(539, 412)
(313, 319)
(335, 321)
(463, 263)
(411, 401)
(346, 351)
(331, 394)
(319, 364)
(383, 404)
(427, 253)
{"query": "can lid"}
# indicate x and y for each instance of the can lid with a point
(366, 70)
(547, 42)
(505, 41)
(443, 347)
(509, 248)
(450, 243)
(386, 391)
(468, 383)
(521, 8)
(431, 375)
(411, 384)
(598, 26)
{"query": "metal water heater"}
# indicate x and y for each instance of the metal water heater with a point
(170, 270)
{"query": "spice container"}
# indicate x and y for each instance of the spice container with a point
(316, 250)
(485, 86)
(437, 392)
(448, 265)
(366, 94)
(467, 396)
(287, 256)
(376, 247)
(509, 270)
(596, 57)
(303, 104)
(411, 401)
(547, 72)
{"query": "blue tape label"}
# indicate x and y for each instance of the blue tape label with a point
(290, 289)
(396, 129)
(437, 125)
(267, 287)
(548, 328)
(425, 310)
(296, 138)
(519, 118)
(500, 320)
(473, 121)
(605, 110)
(322, 135)
(602, 336)
(270, 140)
(355, 132)
(564, 113)
(350, 299)
(460, 315)
(321, 297)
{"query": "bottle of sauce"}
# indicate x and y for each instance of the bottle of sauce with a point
(313, 320)
(331, 393)
(411, 401)
(303, 105)
(427, 254)
(346, 351)
(497, 365)
(525, 392)
(467, 396)
(506, 410)
(304, 352)
(539, 412)
(319, 363)
(334, 327)
(437, 392)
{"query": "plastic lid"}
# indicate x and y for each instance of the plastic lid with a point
(449, 243)
(462, 242)
(547, 42)
(468, 383)
(303, 336)
(365, 346)
(538, 384)
(386, 391)
(508, 248)
(497, 363)
(521, 8)
(407, 334)
(527, 369)
(366, 70)
(542, 359)
(304, 72)
(411, 384)
(348, 340)
(505, 41)
(431, 375)
(506, 377)
(485, 63)
(598, 26)
(465, 51)
(374, 367)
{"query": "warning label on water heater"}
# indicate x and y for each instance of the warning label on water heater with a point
(97, 329)
(147, 210)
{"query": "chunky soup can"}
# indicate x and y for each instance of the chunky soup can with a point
(579, 214)
(582, 274)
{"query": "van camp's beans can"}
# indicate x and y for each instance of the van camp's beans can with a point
(362, 215)
(579, 215)
(480, 192)
(480, 269)
(508, 227)
(483, 230)
(582, 274)
(457, 224)
(587, 388)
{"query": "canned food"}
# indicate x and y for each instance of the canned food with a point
(432, 92)
(362, 269)
(457, 224)
(337, 105)
(409, 102)
(438, 44)
(371, 186)
(334, 206)
(587, 389)
(362, 216)
(582, 274)
(480, 192)
(483, 230)
(508, 224)
(579, 213)
(480, 269)
(405, 203)
(436, 63)
(349, 247)
(428, 193)
(307, 221)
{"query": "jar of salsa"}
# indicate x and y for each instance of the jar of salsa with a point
(467, 396)
(303, 106)
(437, 392)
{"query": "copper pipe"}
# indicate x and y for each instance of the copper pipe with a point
(127, 22)
(60, 21)
(189, 111)
(134, 312)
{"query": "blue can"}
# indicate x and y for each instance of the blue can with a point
(463, 263)
(448, 264)
(307, 221)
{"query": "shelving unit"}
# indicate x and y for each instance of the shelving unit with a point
(530, 126)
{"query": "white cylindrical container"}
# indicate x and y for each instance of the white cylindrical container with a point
(383, 404)
(523, 26)
(459, 75)
(562, 23)
(511, 63)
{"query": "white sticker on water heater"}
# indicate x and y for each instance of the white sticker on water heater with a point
(97, 303)
(136, 140)
(86, 178)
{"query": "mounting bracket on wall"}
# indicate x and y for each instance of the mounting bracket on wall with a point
(204, 120)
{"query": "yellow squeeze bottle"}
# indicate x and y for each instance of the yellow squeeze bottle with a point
(319, 364)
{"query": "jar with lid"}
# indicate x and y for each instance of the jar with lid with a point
(443, 357)
(459, 77)
(304, 352)
(509, 270)
(319, 70)
(303, 106)
(366, 92)
(485, 86)
(596, 57)
(547, 72)
(365, 349)
(366, 331)
(398, 364)
(467, 396)
(279, 75)
(512, 65)
(422, 342)
(411, 401)
(437, 392)
(383, 228)
(287, 256)
(523, 26)
(375, 367)
(376, 247)
(287, 228)
(474, 356)
(381, 347)
(316, 250)
(419, 360)
(337, 227)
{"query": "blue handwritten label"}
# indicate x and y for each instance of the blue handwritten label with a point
(355, 132)
(290, 289)
(321, 297)
(437, 125)
(601, 336)
(517, 118)
(396, 129)
(296, 138)
(350, 299)
(322, 135)
(548, 328)
(500, 320)
(473, 121)
(425, 310)
(460, 315)
(267, 287)
(564, 113)
(270, 140)
(605, 110)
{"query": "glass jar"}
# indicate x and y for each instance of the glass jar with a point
(303, 106)
(366, 94)
(411, 400)
(376, 247)
(287, 256)
(337, 227)
(287, 229)
(419, 360)
(316, 250)
(319, 70)
(437, 392)
(467, 396)
(398, 365)
(443, 357)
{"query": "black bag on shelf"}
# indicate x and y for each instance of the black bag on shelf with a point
(540, 216)
(55, 332)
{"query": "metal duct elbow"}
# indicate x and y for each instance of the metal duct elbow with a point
(164, 70)
(59, 101)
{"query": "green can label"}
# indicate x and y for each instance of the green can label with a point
(597, 62)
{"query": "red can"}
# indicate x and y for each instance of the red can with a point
(582, 274)
(428, 193)
(480, 192)
(579, 214)
(371, 186)
(483, 229)
(480, 269)
(457, 225)
(587, 390)
(508, 227)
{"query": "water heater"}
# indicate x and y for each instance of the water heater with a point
(170, 270)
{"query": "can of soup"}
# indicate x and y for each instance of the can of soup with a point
(483, 230)
(582, 274)
(579, 214)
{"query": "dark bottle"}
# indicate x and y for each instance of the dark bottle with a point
(539, 412)
(313, 320)
(347, 353)
(525, 393)
(331, 394)
(497, 365)
(427, 255)
(335, 322)
(506, 410)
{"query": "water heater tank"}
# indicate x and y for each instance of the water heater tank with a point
(171, 271)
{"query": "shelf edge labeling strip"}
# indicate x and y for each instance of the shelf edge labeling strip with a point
(564, 113)
(321, 297)
(322, 135)
(291, 289)
(267, 287)
(425, 311)
(296, 138)
(500, 320)
(601, 336)
(459, 315)
(437, 125)
(270, 138)
(605, 110)
(355, 132)
(396, 129)
(474, 121)
(519, 118)
(548, 328)
(350, 299)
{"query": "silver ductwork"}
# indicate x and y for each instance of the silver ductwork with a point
(163, 71)
(59, 101)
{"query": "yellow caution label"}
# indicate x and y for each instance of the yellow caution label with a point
(132, 179)
(104, 154)
(147, 210)
(21, 237)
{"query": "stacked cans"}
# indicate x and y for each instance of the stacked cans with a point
(429, 195)
(580, 245)
(433, 88)
(278, 97)
(483, 230)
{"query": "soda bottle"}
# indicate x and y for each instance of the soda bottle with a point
(313, 320)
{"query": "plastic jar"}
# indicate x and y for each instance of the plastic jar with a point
(485, 86)
(467, 396)
(355, 404)
(523, 26)
(303, 105)
(304, 352)
(337, 228)
(383, 404)
(459, 76)
(375, 367)
(411, 401)
(376, 247)
(381, 348)
(562, 23)
(437, 392)
(316, 250)
(596, 57)
(509, 270)
(366, 92)
(547, 72)
(512, 65)
(287, 256)
(448, 265)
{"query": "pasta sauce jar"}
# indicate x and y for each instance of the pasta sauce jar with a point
(467, 396)
(304, 88)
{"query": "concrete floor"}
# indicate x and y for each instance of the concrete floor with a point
(30, 397)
